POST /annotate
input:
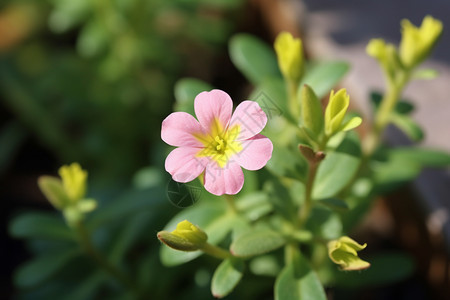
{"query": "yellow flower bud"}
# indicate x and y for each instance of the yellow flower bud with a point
(386, 54)
(335, 113)
(74, 181)
(186, 237)
(290, 56)
(416, 43)
(344, 253)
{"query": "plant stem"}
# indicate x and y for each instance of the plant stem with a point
(294, 105)
(307, 205)
(88, 247)
(216, 251)
(231, 203)
(383, 116)
(291, 253)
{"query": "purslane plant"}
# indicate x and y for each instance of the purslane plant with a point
(321, 137)
(286, 179)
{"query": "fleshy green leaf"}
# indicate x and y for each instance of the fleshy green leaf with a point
(424, 157)
(186, 90)
(298, 282)
(226, 277)
(127, 204)
(338, 168)
(288, 162)
(385, 269)
(425, 74)
(312, 113)
(266, 265)
(408, 126)
(254, 58)
(42, 268)
(40, 225)
(393, 174)
(334, 204)
(402, 107)
(323, 76)
(350, 124)
(254, 205)
(256, 242)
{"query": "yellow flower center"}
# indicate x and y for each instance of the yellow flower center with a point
(220, 145)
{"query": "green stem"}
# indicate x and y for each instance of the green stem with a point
(307, 205)
(88, 247)
(216, 251)
(383, 116)
(231, 204)
(294, 104)
(291, 253)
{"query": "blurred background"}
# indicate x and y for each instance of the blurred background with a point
(91, 81)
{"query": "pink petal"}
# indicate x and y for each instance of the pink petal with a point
(256, 153)
(211, 107)
(183, 164)
(228, 180)
(178, 129)
(250, 118)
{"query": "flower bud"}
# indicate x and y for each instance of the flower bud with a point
(387, 56)
(186, 237)
(335, 113)
(417, 43)
(344, 253)
(73, 181)
(290, 56)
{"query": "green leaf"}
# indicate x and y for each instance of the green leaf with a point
(312, 112)
(127, 204)
(210, 217)
(226, 277)
(42, 268)
(271, 96)
(425, 74)
(424, 157)
(256, 242)
(288, 162)
(408, 126)
(338, 168)
(334, 204)
(254, 205)
(385, 269)
(265, 265)
(394, 173)
(12, 136)
(40, 225)
(186, 90)
(253, 58)
(323, 76)
(402, 107)
(87, 287)
(280, 198)
(298, 282)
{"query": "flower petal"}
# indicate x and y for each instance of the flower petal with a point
(212, 107)
(178, 129)
(183, 164)
(255, 154)
(228, 180)
(250, 118)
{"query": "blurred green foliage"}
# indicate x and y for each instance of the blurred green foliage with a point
(93, 79)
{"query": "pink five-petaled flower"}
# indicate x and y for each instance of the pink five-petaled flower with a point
(218, 144)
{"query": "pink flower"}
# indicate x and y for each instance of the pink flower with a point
(218, 144)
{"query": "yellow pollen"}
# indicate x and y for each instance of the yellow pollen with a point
(221, 144)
